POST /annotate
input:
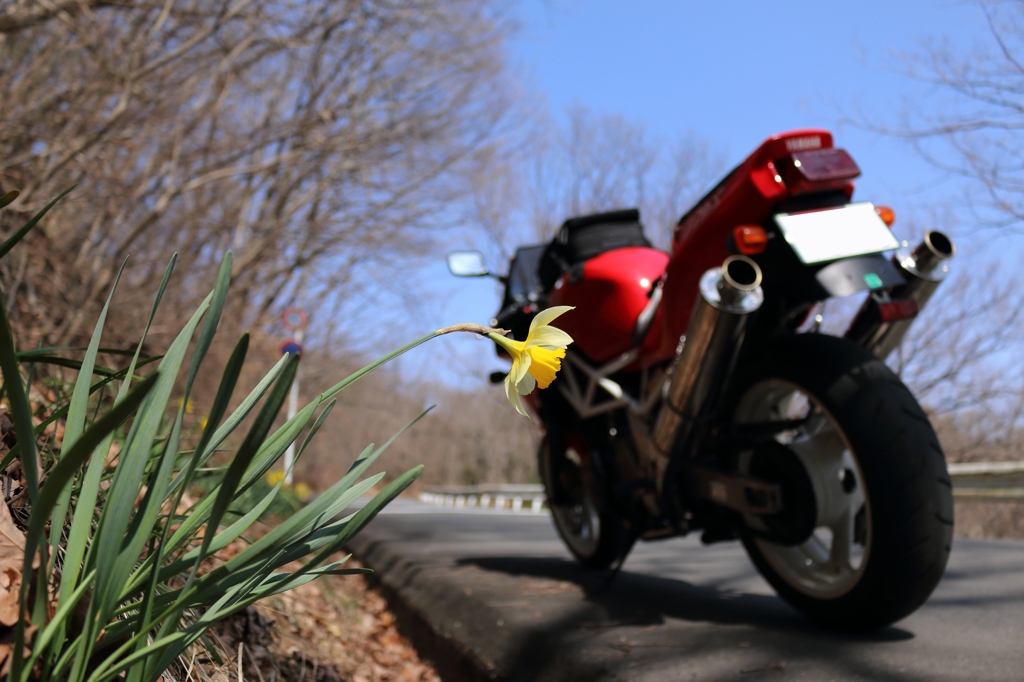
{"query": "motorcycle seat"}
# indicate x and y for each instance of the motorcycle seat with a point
(581, 238)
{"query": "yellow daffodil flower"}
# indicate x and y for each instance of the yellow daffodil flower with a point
(302, 491)
(536, 360)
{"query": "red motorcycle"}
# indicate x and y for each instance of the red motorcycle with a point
(700, 395)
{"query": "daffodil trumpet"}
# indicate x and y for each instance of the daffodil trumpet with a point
(537, 359)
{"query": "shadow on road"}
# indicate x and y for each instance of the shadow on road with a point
(634, 599)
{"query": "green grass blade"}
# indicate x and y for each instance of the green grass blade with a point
(316, 427)
(228, 381)
(220, 403)
(6, 199)
(198, 515)
(113, 555)
(71, 363)
(81, 521)
(21, 411)
(232, 532)
(271, 587)
(57, 414)
(318, 514)
(60, 477)
(145, 519)
(240, 413)
(56, 626)
(26, 355)
(359, 374)
(302, 540)
(247, 451)
(20, 234)
(149, 323)
(77, 412)
(220, 293)
(307, 517)
(364, 516)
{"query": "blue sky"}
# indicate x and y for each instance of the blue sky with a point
(730, 73)
(735, 72)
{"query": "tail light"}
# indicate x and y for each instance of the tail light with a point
(750, 239)
(817, 169)
(897, 310)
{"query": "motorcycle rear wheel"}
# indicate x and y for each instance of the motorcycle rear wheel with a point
(591, 532)
(884, 501)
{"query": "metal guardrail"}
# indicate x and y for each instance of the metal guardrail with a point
(516, 498)
(989, 481)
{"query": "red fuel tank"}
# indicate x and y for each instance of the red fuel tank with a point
(609, 295)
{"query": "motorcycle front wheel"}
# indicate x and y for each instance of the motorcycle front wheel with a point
(882, 513)
(591, 531)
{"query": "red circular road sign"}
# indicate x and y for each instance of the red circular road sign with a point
(294, 319)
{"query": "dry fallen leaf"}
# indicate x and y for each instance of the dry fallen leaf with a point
(12, 557)
(7, 646)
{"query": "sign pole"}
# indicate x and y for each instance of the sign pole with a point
(293, 407)
(294, 320)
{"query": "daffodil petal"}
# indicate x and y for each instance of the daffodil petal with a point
(526, 384)
(548, 337)
(546, 317)
(513, 396)
(520, 367)
(545, 364)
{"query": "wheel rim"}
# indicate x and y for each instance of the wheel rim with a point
(578, 522)
(831, 561)
(580, 525)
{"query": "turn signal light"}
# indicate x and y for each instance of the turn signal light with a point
(750, 239)
(887, 215)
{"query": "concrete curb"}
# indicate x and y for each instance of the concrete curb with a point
(445, 624)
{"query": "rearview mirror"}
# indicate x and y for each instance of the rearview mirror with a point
(467, 264)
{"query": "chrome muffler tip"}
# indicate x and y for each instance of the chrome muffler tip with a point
(923, 268)
(925, 258)
(735, 287)
(741, 273)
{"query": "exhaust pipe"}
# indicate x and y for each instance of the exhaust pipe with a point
(727, 297)
(879, 326)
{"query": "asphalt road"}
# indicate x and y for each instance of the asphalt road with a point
(501, 592)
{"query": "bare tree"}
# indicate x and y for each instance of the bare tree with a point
(962, 358)
(600, 163)
(316, 139)
(968, 119)
(593, 163)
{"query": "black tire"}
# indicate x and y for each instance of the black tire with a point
(590, 530)
(906, 523)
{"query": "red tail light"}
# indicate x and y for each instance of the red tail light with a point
(817, 169)
(897, 310)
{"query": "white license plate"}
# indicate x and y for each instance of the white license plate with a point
(834, 233)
